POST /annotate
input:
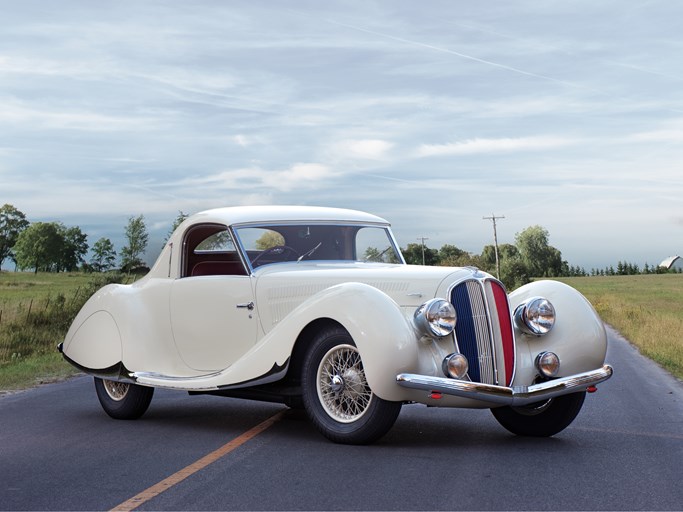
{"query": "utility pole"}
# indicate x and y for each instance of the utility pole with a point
(422, 241)
(493, 219)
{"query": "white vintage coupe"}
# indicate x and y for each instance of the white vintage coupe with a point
(315, 307)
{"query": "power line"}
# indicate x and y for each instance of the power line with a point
(493, 219)
(422, 241)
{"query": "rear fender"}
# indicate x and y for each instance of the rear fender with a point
(93, 341)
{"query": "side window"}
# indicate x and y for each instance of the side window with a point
(373, 244)
(210, 251)
(220, 242)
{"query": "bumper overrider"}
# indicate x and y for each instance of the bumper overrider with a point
(504, 395)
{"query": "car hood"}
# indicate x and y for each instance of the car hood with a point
(286, 285)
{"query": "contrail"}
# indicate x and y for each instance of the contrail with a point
(462, 55)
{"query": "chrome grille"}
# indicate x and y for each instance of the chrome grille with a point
(483, 334)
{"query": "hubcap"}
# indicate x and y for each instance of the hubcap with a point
(342, 388)
(117, 391)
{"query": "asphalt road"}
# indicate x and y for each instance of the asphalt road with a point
(59, 451)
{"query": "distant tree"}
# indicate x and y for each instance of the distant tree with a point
(73, 248)
(137, 238)
(387, 255)
(413, 255)
(540, 258)
(268, 240)
(12, 223)
(39, 246)
(177, 222)
(451, 253)
(104, 255)
(505, 251)
(514, 273)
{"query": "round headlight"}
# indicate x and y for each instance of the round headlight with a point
(548, 364)
(436, 317)
(535, 316)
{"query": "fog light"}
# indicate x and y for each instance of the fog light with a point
(455, 366)
(548, 364)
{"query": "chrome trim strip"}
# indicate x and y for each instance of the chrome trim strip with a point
(484, 284)
(503, 395)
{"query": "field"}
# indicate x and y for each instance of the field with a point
(35, 313)
(37, 309)
(646, 309)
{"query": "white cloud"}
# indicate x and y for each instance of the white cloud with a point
(474, 146)
(360, 149)
(41, 117)
(241, 140)
(299, 175)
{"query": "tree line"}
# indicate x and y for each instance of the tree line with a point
(54, 247)
(529, 257)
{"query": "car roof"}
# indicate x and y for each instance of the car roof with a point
(258, 214)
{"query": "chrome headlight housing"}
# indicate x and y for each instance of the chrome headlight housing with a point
(436, 317)
(536, 316)
(548, 364)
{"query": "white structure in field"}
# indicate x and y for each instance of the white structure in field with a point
(672, 263)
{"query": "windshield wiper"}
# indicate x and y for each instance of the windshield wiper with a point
(306, 254)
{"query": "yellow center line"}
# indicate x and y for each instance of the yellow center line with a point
(181, 475)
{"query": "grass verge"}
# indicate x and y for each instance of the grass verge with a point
(646, 309)
(36, 311)
(35, 370)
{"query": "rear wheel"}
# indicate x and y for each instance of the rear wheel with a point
(541, 419)
(121, 400)
(336, 393)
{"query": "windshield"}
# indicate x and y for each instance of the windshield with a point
(304, 242)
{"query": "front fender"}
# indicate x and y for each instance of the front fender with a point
(578, 337)
(384, 337)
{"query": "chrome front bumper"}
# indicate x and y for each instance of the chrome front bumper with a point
(503, 395)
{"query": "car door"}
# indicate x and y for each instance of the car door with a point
(212, 320)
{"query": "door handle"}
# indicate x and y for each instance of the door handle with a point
(247, 305)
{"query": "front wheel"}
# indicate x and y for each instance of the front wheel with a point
(121, 400)
(542, 419)
(336, 394)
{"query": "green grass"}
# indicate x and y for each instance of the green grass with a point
(646, 309)
(36, 311)
(26, 372)
(24, 286)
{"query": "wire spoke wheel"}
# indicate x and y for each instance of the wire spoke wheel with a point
(123, 400)
(342, 386)
(117, 391)
(336, 393)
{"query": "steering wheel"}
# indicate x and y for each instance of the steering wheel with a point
(279, 251)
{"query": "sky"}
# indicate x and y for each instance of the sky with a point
(432, 114)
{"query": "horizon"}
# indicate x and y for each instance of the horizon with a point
(156, 244)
